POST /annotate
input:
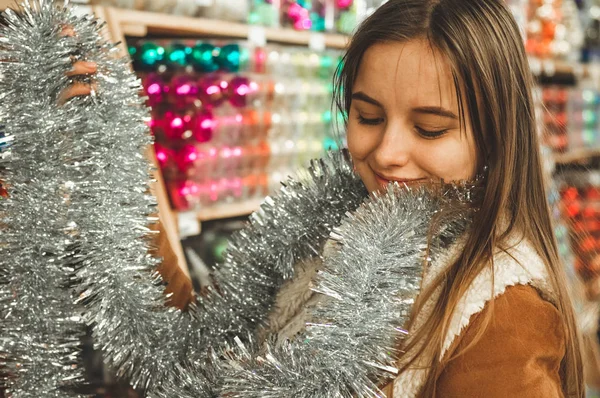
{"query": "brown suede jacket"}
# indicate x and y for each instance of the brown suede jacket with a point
(518, 355)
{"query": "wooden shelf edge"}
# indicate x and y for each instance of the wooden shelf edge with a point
(133, 22)
(576, 155)
(229, 210)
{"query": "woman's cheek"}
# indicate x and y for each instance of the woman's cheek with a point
(450, 162)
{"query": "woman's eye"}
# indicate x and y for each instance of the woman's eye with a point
(430, 134)
(370, 122)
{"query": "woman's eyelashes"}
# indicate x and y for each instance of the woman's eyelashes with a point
(429, 134)
(369, 121)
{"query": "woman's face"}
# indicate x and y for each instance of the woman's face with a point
(404, 118)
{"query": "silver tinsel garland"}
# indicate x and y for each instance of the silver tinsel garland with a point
(39, 324)
(369, 286)
(75, 241)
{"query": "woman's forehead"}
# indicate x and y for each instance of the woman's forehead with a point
(410, 73)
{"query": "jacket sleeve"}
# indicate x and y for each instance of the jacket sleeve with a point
(518, 354)
(178, 282)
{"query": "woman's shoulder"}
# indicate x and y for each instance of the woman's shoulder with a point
(516, 265)
(518, 337)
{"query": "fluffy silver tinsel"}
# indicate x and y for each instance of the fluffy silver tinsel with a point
(369, 287)
(40, 326)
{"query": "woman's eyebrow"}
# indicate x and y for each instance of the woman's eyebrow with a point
(436, 110)
(360, 96)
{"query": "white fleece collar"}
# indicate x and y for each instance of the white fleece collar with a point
(520, 266)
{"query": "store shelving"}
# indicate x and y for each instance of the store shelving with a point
(124, 22)
(576, 155)
(228, 210)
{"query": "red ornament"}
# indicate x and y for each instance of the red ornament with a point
(176, 125)
(186, 157)
(240, 88)
(163, 155)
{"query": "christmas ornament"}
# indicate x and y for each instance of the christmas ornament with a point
(177, 54)
(155, 88)
(203, 57)
(151, 55)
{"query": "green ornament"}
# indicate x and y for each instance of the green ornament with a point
(254, 18)
(219, 249)
(230, 57)
(318, 22)
(589, 117)
(347, 22)
(265, 14)
(202, 57)
(151, 54)
(305, 4)
(325, 67)
(589, 137)
(177, 54)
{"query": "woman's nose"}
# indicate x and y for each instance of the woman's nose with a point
(394, 148)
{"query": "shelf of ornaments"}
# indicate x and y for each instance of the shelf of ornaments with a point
(136, 23)
(121, 26)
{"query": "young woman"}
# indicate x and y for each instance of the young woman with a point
(441, 89)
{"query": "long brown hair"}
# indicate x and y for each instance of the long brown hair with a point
(493, 81)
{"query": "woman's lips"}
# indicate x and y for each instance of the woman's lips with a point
(384, 181)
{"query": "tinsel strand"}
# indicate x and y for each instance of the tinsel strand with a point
(40, 326)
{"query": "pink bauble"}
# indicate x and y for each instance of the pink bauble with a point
(184, 89)
(240, 88)
(163, 155)
(203, 126)
(175, 125)
(186, 157)
(155, 88)
(211, 90)
(344, 3)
